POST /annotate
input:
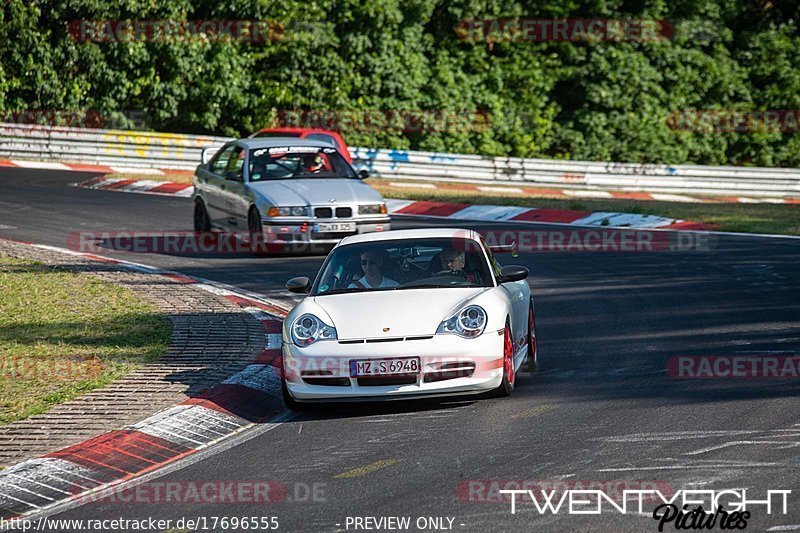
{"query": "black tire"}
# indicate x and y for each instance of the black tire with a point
(507, 384)
(532, 359)
(255, 228)
(202, 222)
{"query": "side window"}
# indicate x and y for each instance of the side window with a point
(236, 162)
(221, 160)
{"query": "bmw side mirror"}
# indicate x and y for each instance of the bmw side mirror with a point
(299, 285)
(512, 273)
(363, 174)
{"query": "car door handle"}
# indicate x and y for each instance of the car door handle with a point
(222, 187)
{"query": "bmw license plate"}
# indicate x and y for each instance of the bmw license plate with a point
(334, 227)
(383, 367)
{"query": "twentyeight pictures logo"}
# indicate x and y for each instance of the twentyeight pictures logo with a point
(684, 509)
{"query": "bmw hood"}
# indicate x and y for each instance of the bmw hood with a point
(316, 191)
(404, 312)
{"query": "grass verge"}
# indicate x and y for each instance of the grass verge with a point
(748, 218)
(64, 334)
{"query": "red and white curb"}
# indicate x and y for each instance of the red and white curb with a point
(167, 188)
(601, 194)
(505, 213)
(83, 167)
(484, 213)
(152, 187)
(250, 397)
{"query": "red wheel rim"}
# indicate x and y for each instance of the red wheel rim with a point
(532, 333)
(508, 357)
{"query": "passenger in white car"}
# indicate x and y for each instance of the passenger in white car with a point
(371, 264)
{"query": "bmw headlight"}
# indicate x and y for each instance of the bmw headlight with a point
(295, 211)
(308, 329)
(469, 322)
(374, 209)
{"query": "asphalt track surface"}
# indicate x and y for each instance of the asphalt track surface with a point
(602, 408)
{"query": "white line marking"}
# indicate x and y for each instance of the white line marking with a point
(412, 185)
(136, 170)
(40, 164)
(588, 194)
(515, 190)
(490, 212)
(677, 435)
(674, 198)
(691, 467)
(785, 528)
(738, 442)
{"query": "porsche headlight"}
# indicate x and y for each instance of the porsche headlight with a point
(308, 329)
(374, 209)
(469, 322)
(295, 211)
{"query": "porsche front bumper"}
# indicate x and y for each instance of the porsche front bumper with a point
(449, 365)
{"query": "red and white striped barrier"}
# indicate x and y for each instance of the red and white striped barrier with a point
(591, 194)
(247, 398)
(483, 213)
(530, 215)
(141, 186)
(79, 167)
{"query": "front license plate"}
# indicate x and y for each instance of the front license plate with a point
(383, 367)
(333, 227)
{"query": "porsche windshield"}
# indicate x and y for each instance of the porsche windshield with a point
(286, 162)
(404, 264)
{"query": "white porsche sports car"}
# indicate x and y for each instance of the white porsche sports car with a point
(408, 314)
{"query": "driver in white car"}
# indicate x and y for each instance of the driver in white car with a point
(371, 263)
(454, 261)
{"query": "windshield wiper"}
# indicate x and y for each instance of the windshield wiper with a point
(424, 286)
(339, 291)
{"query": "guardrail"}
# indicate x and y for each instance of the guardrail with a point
(587, 175)
(134, 149)
(183, 152)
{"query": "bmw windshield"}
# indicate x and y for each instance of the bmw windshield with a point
(289, 162)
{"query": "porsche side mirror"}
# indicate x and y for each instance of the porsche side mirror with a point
(299, 285)
(512, 273)
(363, 174)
